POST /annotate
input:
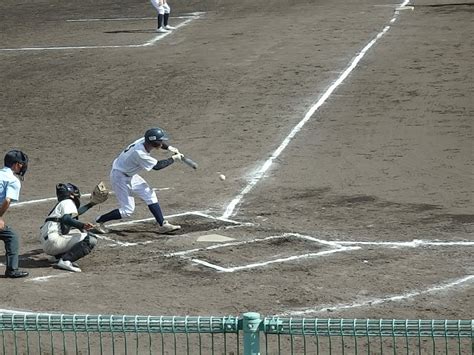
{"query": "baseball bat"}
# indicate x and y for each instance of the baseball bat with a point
(189, 162)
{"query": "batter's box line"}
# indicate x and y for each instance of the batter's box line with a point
(147, 44)
(335, 248)
(152, 219)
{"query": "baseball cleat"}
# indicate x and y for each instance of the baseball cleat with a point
(67, 265)
(54, 260)
(168, 27)
(162, 30)
(167, 227)
(15, 274)
(100, 228)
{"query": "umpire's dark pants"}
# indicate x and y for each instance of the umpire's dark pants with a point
(12, 246)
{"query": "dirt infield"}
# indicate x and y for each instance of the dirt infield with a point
(385, 160)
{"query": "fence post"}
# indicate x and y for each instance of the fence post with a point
(251, 328)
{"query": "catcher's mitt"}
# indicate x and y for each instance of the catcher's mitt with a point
(100, 194)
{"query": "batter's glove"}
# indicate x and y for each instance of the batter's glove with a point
(173, 150)
(99, 194)
(177, 156)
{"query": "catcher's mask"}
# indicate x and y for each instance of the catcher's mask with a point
(155, 136)
(68, 190)
(17, 156)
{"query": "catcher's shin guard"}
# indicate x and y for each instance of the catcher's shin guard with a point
(81, 249)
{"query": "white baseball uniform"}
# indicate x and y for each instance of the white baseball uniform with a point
(125, 180)
(162, 8)
(52, 241)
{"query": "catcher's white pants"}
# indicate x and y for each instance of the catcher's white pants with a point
(57, 244)
(162, 9)
(124, 186)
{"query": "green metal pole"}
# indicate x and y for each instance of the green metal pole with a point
(251, 328)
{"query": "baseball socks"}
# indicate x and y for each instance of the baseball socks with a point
(165, 22)
(165, 226)
(100, 227)
(161, 28)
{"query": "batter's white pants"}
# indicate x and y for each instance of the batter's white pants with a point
(162, 9)
(124, 186)
(57, 244)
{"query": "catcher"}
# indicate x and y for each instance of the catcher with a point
(63, 235)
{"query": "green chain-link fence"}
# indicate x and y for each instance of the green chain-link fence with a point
(249, 334)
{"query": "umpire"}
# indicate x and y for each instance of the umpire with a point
(16, 164)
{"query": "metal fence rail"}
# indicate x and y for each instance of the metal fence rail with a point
(249, 334)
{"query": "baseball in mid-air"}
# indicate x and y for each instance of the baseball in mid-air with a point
(222, 177)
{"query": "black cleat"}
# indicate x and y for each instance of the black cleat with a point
(15, 274)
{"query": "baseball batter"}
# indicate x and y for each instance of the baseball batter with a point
(63, 235)
(163, 10)
(16, 164)
(125, 180)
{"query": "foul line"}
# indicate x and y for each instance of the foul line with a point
(266, 166)
(378, 301)
(149, 43)
(41, 200)
(132, 18)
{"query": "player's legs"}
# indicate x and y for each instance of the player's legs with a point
(121, 185)
(80, 249)
(70, 248)
(57, 244)
(12, 246)
(166, 17)
(141, 188)
(160, 18)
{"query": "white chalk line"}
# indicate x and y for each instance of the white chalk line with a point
(344, 306)
(152, 219)
(42, 200)
(183, 16)
(377, 301)
(275, 261)
(149, 43)
(260, 173)
(335, 245)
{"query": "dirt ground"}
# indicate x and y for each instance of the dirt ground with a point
(387, 158)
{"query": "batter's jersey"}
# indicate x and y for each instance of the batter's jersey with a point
(66, 206)
(134, 158)
(10, 185)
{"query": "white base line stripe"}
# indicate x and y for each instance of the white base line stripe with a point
(149, 43)
(276, 261)
(30, 202)
(192, 14)
(341, 306)
(266, 166)
(377, 301)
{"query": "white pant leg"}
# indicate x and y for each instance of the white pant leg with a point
(158, 7)
(60, 244)
(121, 184)
(141, 188)
(166, 8)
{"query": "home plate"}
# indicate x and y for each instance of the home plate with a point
(214, 238)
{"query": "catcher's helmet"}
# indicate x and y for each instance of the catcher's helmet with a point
(155, 135)
(16, 156)
(68, 190)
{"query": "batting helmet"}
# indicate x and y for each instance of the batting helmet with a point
(155, 135)
(16, 156)
(68, 190)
